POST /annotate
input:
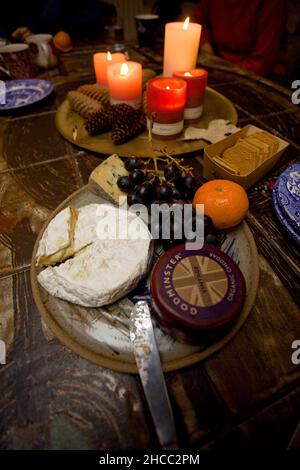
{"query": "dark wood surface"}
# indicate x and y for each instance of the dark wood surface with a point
(245, 396)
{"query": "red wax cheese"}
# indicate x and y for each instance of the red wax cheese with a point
(197, 294)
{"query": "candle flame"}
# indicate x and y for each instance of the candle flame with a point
(186, 23)
(168, 88)
(124, 69)
(109, 57)
(187, 74)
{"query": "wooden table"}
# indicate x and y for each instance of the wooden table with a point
(247, 395)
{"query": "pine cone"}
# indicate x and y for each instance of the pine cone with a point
(83, 105)
(103, 121)
(100, 122)
(126, 129)
(96, 92)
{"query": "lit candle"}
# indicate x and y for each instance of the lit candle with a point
(166, 99)
(125, 83)
(101, 61)
(181, 46)
(196, 81)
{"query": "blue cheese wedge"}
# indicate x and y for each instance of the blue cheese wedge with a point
(103, 180)
(106, 268)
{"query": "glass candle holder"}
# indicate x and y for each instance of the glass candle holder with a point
(196, 81)
(166, 99)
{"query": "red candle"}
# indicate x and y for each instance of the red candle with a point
(166, 98)
(196, 81)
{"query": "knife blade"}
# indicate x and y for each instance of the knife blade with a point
(151, 374)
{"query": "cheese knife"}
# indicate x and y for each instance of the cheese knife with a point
(151, 374)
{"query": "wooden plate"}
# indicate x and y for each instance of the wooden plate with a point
(216, 106)
(101, 335)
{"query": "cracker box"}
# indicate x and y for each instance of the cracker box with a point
(213, 170)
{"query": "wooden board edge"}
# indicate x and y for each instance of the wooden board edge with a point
(234, 121)
(127, 367)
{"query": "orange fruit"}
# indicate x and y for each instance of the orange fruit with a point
(224, 201)
(62, 41)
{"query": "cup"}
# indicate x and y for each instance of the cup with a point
(114, 36)
(42, 50)
(146, 27)
(15, 61)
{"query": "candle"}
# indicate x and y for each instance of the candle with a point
(181, 46)
(196, 81)
(101, 61)
(166, 99)
(125, 83)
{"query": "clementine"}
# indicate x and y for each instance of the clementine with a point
(62, 41)
(224, 201)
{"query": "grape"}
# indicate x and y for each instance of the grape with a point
(164, 192)
(136, 177)
(172, 173)
(175, 193)
(211, 239)
(186, 196)
(146, 192)
(214, 237)
(154, 179)
(189, 183)
(208, 223)
(124, 183)
(133, 163)
(133, 198)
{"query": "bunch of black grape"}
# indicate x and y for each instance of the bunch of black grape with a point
(143, 186)
(212, 236)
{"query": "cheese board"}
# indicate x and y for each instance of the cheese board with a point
(71, 126)
(101, 334)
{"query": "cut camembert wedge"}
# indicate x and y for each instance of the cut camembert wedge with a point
(99, 269)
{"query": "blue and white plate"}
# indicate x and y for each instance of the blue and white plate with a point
(288, 195)
(282, 218)
(15, 94)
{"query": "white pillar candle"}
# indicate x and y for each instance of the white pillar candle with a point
(102, 60)
(182, 41)
(125, 83)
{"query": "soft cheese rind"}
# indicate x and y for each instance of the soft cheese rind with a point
(101, 270)
(57, 239)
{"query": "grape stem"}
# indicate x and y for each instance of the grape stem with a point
(188, 170)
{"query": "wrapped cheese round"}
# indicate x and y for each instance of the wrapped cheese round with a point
(197, 294)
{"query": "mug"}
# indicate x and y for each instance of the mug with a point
(15, 61)
(146, 26)
(42, 49)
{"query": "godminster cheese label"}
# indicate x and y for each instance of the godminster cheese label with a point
(200, 281)
(200, 288)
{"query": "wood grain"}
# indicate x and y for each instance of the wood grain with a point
(246, 396)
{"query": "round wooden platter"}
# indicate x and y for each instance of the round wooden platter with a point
(101, 335)
(216, 106)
